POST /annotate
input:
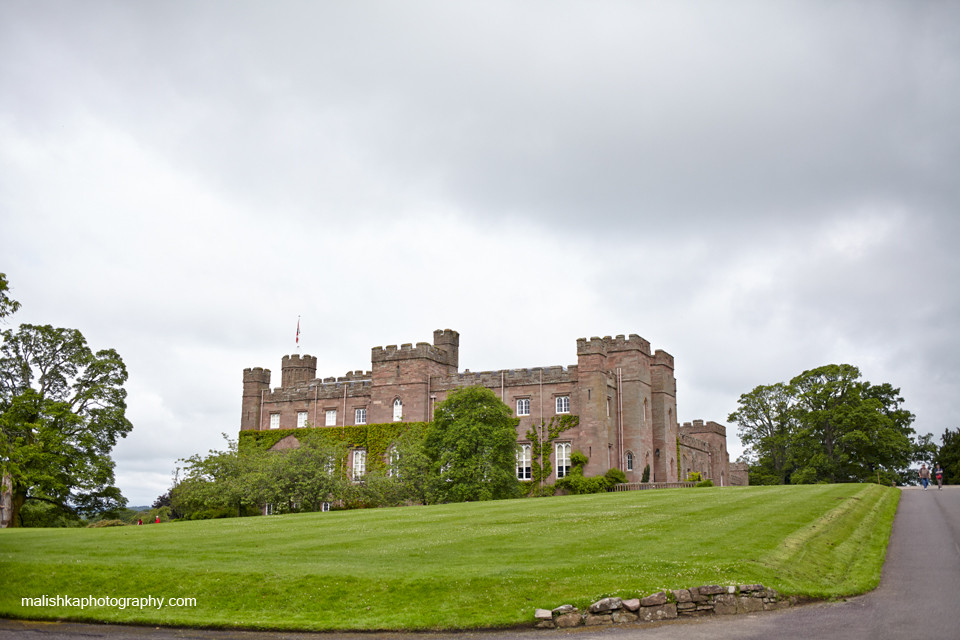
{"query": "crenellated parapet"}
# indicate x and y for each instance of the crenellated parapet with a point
(699, 426)
(423, 350)
(663, 358)
(256, 375)
(607, 344)
(329, 388)
(507, 377)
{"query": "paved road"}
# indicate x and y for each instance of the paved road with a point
(918, 597)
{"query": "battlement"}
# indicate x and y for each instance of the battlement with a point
(508, 377)
(607, 344)
(446, 337)
(699, 426)
(297, 361)
(663, 358)
(256, 374)
(407, 351)
(326, 389)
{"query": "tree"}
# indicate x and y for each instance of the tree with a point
(8, 306)
(229, 481)
(766, 418)
(240, 480)
(62, 410)
(949, 456)
(472, 448)
(827, 424)
(850, 429)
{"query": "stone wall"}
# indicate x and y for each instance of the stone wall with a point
(665, 605)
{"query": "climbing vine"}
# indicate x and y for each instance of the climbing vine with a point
(541, 468)
(375, 438)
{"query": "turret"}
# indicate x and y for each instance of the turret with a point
(449, 341)
(295, 369)
(255, 382)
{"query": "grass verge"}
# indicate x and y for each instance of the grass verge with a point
(456, 566)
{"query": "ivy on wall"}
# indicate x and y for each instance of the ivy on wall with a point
(540, 449)
(376, 439)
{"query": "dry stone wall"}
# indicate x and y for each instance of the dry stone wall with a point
(678, 603)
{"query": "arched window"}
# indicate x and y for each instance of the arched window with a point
(629, 460)
(359, 463)
(397, 410)
(393, 463)
(524, 457)
(563, 459)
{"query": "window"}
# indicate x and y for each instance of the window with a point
(524, 471)
(397, 410)
(359, 463)
(301, 419)
(274, 420)
(563, 459)
(563, 404)
(331, 417)
(393, 462)
(523, 407)
(608, 406)
(629, 460)
(360, 417)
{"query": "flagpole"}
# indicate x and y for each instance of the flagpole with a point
(298, 335)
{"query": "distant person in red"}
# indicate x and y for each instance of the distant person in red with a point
(158, 520)
(139, 520)
(939, 474)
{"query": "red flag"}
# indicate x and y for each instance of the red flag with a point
(298, 330)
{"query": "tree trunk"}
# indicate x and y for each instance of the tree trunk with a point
(16, 501)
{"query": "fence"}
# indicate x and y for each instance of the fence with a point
(640, 486)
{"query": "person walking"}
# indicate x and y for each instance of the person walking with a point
(938, 474)
(924, 476)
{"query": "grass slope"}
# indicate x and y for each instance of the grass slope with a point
(457, 566)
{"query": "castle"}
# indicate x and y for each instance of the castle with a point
(623, 394)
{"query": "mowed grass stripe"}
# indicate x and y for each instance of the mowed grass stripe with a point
(458, 566)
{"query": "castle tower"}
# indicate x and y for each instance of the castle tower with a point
(665, 431)
(295, 369)
(255, 382)
(449, 341)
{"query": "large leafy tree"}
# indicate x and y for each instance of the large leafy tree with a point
(767, 424)
(827, 424)
(62, 410)
(472, 448)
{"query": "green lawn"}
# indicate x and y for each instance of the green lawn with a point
(456, 566)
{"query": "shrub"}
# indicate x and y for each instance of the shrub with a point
(646, 474)
(705, 483)
(615, 476)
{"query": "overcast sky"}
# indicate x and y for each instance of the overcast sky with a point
(758, 188)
